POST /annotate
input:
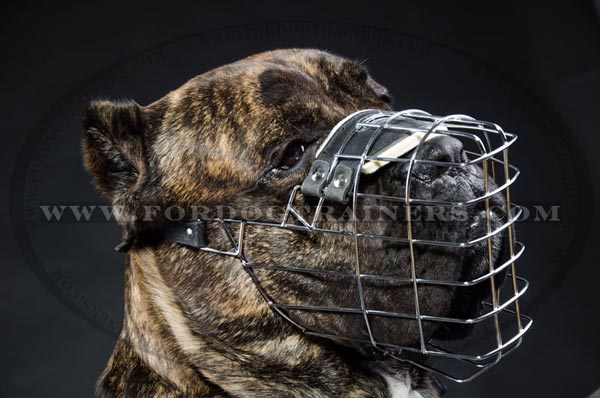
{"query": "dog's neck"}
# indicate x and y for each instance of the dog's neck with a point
(159, 354)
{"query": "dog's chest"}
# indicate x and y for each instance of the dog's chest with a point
(399, 388)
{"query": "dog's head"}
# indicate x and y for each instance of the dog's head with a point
(242, 136)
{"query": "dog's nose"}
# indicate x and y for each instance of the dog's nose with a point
(440, 149)
(443, 149)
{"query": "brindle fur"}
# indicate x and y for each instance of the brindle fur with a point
(195, 324)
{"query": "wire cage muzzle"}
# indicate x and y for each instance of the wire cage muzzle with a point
(370, 141)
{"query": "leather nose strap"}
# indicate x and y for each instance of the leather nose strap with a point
(350, 137)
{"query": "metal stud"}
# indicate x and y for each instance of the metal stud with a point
(318, 174)
(340, 180)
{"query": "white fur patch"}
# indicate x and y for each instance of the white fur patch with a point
(400, 388)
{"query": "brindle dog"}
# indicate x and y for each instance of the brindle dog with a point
(243, 135)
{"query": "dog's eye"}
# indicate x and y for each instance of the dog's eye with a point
(291, 156)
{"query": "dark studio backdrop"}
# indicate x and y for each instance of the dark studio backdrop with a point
(532, 67)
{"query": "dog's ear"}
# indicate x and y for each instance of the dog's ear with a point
(113, 152)
(113, 146)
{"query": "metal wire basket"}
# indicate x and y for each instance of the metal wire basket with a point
(499, 327)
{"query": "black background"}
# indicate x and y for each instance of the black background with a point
(549, 50)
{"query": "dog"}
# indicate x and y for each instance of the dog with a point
(243, 135)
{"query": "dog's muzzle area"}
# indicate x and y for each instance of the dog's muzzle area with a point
(412, 245)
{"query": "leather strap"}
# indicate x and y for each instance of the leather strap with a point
(191, 234)
(346, 138)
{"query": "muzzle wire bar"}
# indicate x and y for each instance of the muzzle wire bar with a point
(491, 145)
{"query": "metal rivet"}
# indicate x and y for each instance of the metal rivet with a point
(189, 231)
(340, 180)
(318, 174)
